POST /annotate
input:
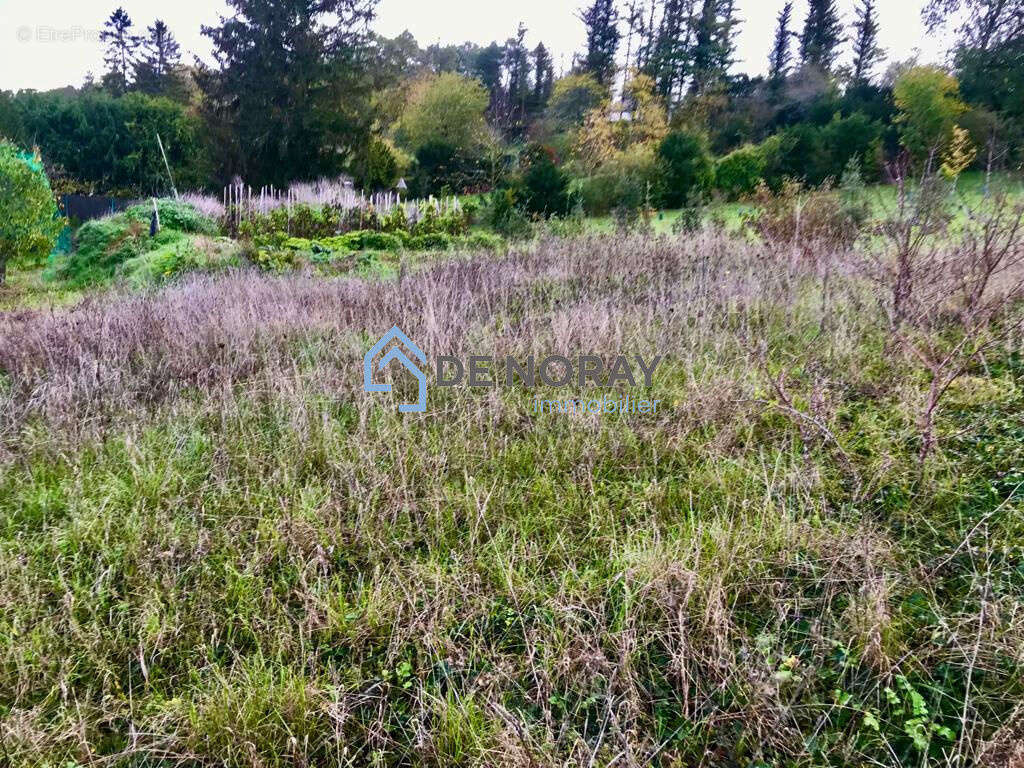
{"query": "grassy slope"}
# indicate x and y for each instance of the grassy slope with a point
(215, 549)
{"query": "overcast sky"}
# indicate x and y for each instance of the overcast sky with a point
(48, 44)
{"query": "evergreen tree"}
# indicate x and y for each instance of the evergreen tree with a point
(634, 25)
(822, 35)
(713, 46)
(601, 20)
(668, 61)
(986, 23)
(290, 97)
(121, 49)
(156, 70)
(781, 56)
(866, 51)
(487, 69)
(543, 76)
(517, 67)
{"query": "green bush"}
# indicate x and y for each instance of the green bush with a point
(738, 173)
(505, 217)
(29, 222)
(432, 221)
(377, 168)
(162, 264)
(359, 240)
(380, 241)
(687, 166)
(438, 241)
(814, 154)
(101, 246)
(629, 180)
(483, 241)
(299, 220)
(545, 185)
(174, 215)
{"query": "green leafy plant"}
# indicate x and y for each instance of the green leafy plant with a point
(436, 241)
(505, 217)
(29, 222)
(181, 217)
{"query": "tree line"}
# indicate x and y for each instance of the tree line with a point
(305, 89)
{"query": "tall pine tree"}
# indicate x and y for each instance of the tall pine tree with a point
(668, 59)
(122, 46)
(602, 23)
(781, 56)
(986, 24)
(157, 68)
(543, 77)
(711, 57)
(487, 68)
(517, 65)
(866, 51)
(290, 96)
(634, 26)
(822, 35)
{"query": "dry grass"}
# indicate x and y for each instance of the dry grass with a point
(215, 549)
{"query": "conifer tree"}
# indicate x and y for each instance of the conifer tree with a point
(122, 46)
(822, 35)
(601, 20)
(866, 51)
(781, 56)
(161, 56)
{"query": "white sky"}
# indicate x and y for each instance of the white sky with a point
(48, 44)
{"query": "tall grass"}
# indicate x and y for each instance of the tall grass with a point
(215, 549)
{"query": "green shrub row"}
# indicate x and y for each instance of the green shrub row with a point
(369, 240)
(320, 222)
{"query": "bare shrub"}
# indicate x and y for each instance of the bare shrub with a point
(951, 273)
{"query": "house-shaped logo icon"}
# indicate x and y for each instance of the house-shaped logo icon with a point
(396, 353)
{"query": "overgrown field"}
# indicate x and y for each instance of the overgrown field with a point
(216, 549)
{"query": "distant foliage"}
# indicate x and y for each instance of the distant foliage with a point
(572, 97)
(109, 144)
(993, 80)
(447, 109)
